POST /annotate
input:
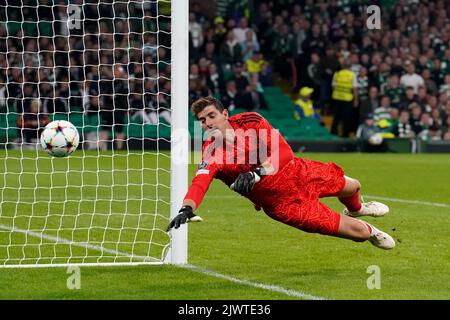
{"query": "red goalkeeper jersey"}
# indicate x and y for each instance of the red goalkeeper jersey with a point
(256, 141)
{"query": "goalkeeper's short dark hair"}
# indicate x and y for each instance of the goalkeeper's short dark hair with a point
(204, 102)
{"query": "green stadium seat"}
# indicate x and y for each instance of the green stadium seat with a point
(8, 126)
(77, 119)
(59, 116)
(12, 119)
(134, 130)
(13, 27)
(272, 91)
(45, 29)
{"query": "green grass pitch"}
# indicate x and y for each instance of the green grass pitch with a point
(239, 253)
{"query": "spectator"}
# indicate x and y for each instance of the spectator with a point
(422, 97)
(197, 89)
(427, 130)
(230, 97)
(3, 95)
(250, 46)
(446, 136)
(219, 31)
(196, 34)
(159, 108)
(328, 66)
(430, 84)
(355, 66)
(252, 100)
(29, 95)
(394, 118)
(194, 72)
(394, 91)
(445, 87)
(381, 76)
(383, 111)
(403, 128)
(415, 119)
(203, 68)
(32, 122)
(409, 98)
(365, 106)
(240, 32)
(230, 51)
(255, 63)
(368, 137)
(270, 34)
(210, 54)
(446, 127)
(436, 117)
(304, 106)
(345, 99)
(315, 41)
(47, 98)
(344, 53)
(214, 80)
(284, 48)
(239, 77)
(315, 81)
(137, 102)
(265, 75)
(114, 106)
(442, 101)
(299, 30)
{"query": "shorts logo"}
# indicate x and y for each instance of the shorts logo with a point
(202, 165)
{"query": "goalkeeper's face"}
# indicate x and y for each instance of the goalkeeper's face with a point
(213, 121)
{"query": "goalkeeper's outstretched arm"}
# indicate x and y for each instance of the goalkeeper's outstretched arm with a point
(186, 214)
(193, 198)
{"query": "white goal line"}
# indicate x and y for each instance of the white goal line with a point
(85, 245)
(424, 203)
(407, 201)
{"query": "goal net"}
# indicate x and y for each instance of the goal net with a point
(105, 66)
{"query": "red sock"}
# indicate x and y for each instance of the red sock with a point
(353, 203)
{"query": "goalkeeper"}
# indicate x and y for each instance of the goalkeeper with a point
(263, 168)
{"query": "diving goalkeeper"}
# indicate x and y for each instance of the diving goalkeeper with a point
(253, 159)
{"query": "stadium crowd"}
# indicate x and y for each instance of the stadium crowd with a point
(117, 62)
(402, 71)
(112, 60)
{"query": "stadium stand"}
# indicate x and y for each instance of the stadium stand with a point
(280, 47)
(403, 64)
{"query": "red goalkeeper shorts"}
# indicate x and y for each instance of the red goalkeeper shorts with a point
(292, 195)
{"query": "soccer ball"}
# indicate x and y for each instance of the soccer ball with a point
(60, 138)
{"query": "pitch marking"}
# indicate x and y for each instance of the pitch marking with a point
(193, 268)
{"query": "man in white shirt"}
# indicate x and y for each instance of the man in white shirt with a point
(196, 32)
(411, 78)
(239, 31)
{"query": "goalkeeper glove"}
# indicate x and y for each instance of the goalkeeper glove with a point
(246, 181)
(186, 215)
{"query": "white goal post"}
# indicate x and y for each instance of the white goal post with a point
(180, 137)
(118, 70)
